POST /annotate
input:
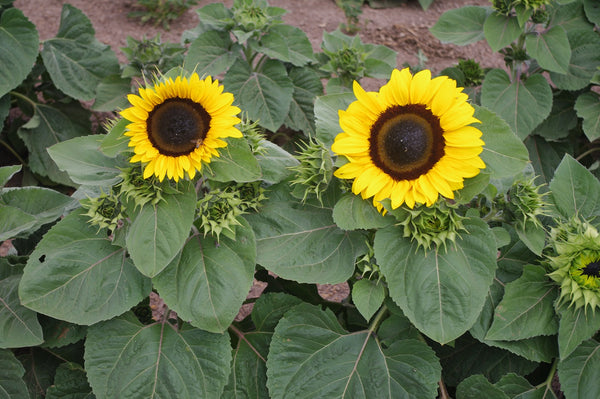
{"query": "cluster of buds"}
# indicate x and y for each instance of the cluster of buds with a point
(314, 172)
(104, 211)
(525, 204)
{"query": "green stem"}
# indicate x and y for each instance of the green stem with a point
(378, 319)
(12, 151)
(548, 382)
(24, 97)
(588, 152)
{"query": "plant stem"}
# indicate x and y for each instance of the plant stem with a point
(548, 382)
(588, 152)
(443, 390)
(378, 319)
(12, 151)
(242, 336)
(24, 97)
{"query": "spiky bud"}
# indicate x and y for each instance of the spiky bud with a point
(314, 172)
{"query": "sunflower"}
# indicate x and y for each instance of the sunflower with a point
(409, 142)
(177, 125)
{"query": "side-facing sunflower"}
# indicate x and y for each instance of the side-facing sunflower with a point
(409, 142)
(177, 125)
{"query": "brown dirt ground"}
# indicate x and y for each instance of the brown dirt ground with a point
(405, 29)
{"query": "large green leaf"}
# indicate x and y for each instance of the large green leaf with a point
(352, 212)
(592, 11)
(265, 94)
(443, 290)
(503, 153)
(82, 159)
(77, 275)
(18, 48)
(588, 108)
(111, 94)
(70, 382)
(585, 58)
(275, 162)
(545, 156)
(158, 231)
(562, 118)
(477, 387)
(501, 30)
(26, 209)
(575, 191)
(125, 359)
(307, 86)
(75, 60)
(522, 104)
(211, 53)
(461, 25)
(208, 282)
(19, 325)
(527, 308)
(12, 385)
(48, 126)
(579, 373)
(551, 49)
(574, 327)
(234, 163)
(301, 242)
(308, 341)
(326, 111)
(287, 43)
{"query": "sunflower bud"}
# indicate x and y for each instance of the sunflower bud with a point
(141, 191)
(314, 172)
(251, 195)
(472, 71)
(576, 266)
(367, 264)
(250, 17)
(435, 225)
(104, 211)
(532, 4)
(525, 203)
(347, 63)
(502, 6)
(218, 211)
(253, 134)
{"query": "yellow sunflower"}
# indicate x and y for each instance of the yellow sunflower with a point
(409, 142)
(177, 125)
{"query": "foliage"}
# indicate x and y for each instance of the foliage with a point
(161, 12)
(456, 297)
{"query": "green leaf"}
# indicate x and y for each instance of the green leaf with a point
(23, 210)
(461, 25)
(40, 367)
(380, 61)
(12, 385)
(551, 49)
(211, 53)
(77, 275)
(209, 280)
(82, 159)
(234, 163)
(545, 157)
(270, 308)
(575, 190)
(513, 384)
(125, 359)
(352, 212)
(592, 11)
(308, 341)
(477, 387)
(287, 43)
(534, 236)
(588, 108)
(275, 163)
(580, 372)
(159, 231)
(285, 228)
(75, 60)
(19, 43)
(215, 17)
(266, 94)
(326, 115)
(19, 325)
(111, 94)
(562, 118)
(7, 172)
(501, 30)
(523, 105)
(115, 142)
(70, 382)
(574, 327)
(368, 297)
(59, 333)
(526, 310)
(503, 153)
(48, 126)
(571, 16)
(441, 291)
(307, 86)
(585, 57)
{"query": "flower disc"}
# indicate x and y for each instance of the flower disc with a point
(177, 125)
(409, 142)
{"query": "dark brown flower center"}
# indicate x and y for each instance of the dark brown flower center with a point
(177, 126)
(406, 141)
(592, 269)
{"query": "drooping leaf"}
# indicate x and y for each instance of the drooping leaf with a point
(551, 49)
(442, 290)
(522, 104)
(266, 94)
(501, 30)
(159, 231)
(19, 43)
(461, 25)
(19, 325)
(575, 190)
(307, 341)
(75, 60)
(287, 43)
(368, 297)
(77, 275)
(12, 385)
(211, 53)
(574, 327)
(588, 108)
(580, 372)
(234, 163)
(526, 309)
(124, 358)
(208, 281)
(285, 228)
